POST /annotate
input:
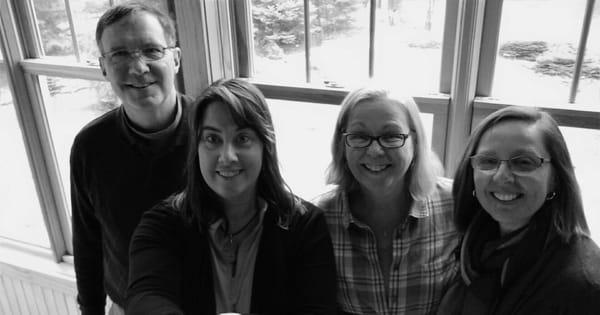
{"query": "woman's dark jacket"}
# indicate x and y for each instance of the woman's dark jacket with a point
(542, 274)
(171, 273)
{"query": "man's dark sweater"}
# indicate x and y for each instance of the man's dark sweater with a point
(116, 175)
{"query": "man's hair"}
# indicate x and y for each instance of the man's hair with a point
(421, 177)
(248, 108)
(118, 12)
(568, 218)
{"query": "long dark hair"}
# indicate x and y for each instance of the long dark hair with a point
(567, 216)
(248, 108)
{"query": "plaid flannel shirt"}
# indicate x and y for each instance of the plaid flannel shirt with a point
(423, 263)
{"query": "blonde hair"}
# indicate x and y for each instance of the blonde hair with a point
(425, 166)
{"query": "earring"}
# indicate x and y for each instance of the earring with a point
(551, 195)
(103, 73)
(473, 193)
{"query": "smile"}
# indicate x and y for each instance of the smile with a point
(505, 197)
(376, 167)
(140, 85)
(229, 173)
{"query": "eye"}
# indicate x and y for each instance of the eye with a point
(119, 54)
(211, 140)
(245, 138)
(524, 163)
(153, 52)
(359, 138)
(485, 162)
(393, 139)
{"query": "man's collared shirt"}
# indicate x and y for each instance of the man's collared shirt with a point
(423, 262)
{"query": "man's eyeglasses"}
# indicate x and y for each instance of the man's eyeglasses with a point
(519, 165)
(151, 53)
(357, 140)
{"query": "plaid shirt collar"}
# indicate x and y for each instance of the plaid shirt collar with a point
(418, 210)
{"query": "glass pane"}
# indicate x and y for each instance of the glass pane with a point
(340, 42)
(304, 127)
(584, 146)
(55, 30)
(20, 214)
(308, 127)
(278, 28)
(537, 49)
(70, 104)
(408, 47)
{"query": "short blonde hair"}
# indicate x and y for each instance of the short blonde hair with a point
(425, 166)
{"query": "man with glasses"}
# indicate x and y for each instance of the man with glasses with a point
(130, 158)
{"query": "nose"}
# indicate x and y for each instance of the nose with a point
(137, 65)
(374, 148)
(503, 172)
(228, 153)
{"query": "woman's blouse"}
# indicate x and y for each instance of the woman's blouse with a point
(233, 260)
(423, 263)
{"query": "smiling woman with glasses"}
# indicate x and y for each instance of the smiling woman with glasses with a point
(390, 214)
(526, 248)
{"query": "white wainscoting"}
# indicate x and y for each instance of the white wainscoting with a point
(32, 283)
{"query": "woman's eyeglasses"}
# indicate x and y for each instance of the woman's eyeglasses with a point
(519, 165)
(357, 140)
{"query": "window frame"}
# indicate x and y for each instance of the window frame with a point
(27, 99)
(214, 46)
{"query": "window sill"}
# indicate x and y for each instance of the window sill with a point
(36, 265)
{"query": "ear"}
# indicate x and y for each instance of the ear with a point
(101, 62)
(176, 58)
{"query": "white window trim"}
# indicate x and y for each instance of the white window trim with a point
(207, 37)
(36, 135)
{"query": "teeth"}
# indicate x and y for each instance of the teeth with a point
(229, 173)
(375, 168)
(140, 86)
(505, 197)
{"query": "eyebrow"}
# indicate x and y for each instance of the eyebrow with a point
(211, 128)
(515, 153)
(386, 128)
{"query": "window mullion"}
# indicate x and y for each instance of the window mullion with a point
(464, 79)
(448, 44)
(307, 39)
(244, 41)
(489, 47)
(72, 29)
(193, 41)
(372, 21)
(585, 31)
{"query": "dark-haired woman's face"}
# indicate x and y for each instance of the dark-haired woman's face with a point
(512, 199)
(230, 156)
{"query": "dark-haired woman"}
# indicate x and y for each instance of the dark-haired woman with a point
(526, 248)
(235, 240)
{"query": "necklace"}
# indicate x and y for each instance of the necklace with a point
(231, 235)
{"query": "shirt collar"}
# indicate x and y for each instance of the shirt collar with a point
(420, 209)
(220, 224)
(177, 127)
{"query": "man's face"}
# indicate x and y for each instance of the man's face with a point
(140, 84)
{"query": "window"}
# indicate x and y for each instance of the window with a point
(538, 49)
(397, 41)
(69, 105)
(20, 214)
(62, 89)
(457, 58)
